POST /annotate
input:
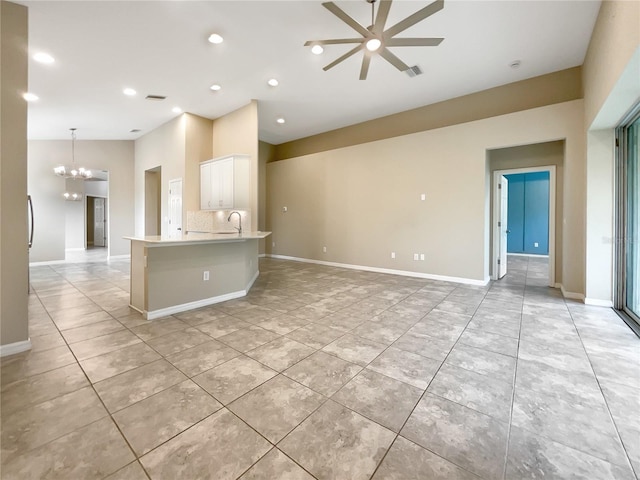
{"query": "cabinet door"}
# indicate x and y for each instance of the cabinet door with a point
(205, 187)
(226, 183)
(222, 184)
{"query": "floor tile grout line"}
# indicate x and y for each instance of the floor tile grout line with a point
(604, 397)
(513, 393)
(101, 402)
(421, 398)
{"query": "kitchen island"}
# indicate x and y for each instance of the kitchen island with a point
(172, 274)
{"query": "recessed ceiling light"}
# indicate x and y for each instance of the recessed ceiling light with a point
(215, 87)
(30, 97)
(215, 38)
(42, 57)
(317, 49)
(373, 44)
(176, 110)
(515, 64)
(129, 91)
(280, 120)
(273, 82)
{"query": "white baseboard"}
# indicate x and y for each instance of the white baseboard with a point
(571, 295)
(532, 255)
(13, 348)
(404, 273)
(77, 249)
(163, 312)
(262, 255)
(118, 257)
(596, 302)
(48, 262)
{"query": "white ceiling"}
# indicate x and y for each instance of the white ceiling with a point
(161, 48)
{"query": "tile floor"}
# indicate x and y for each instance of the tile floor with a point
(321, 373)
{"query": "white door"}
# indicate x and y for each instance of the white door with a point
(175, 207)
(503, 209)
(99, 222)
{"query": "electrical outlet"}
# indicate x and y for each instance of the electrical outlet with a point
(205, 276)
(324, 249)
(393, 254)
(423, 197)
(422, 256)
(415, 256)
(535, 244)
(285, 209)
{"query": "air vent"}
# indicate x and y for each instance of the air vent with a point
(135, 130)
(155, 97)
(413, 71)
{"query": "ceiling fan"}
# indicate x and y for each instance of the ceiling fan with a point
(375, 39)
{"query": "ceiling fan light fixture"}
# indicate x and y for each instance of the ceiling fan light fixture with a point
(373, 44)
(216, 39)
(317, 49)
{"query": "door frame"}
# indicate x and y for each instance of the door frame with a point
(106, 217)
(552, 217)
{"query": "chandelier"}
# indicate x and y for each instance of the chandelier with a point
(71, 171)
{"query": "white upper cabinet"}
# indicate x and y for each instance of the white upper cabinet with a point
(224, 183)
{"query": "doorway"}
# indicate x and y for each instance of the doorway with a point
(501, 230)
(152, 201)
(96, 224)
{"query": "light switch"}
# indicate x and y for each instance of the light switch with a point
(423, 196)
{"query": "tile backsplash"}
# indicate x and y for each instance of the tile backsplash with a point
(212, 221)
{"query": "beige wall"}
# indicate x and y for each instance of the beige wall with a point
(265, 155)
(116, 156)
(14, 327)
(199, 142)
(611, 77)
(163, 147)
(363, 202)
(237, 132)
(556, 87)
(536, 155)
(615, 39)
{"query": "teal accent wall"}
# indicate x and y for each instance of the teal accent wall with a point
(528, 213)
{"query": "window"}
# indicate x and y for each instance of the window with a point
(628, 217)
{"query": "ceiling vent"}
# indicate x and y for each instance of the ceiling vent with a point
(135, 130)
(413, 71)
(155, 97)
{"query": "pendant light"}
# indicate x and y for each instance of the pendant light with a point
(71, 171)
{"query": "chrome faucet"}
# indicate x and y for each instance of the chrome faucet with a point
(239, 227)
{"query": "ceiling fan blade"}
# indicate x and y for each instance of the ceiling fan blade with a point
(343, 57)
(411, 20)
(381, 17)
(338, 12)
(334, 41)
(413, 42)
(393, 60)
(366, 60)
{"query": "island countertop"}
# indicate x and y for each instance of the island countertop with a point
(193, 238)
